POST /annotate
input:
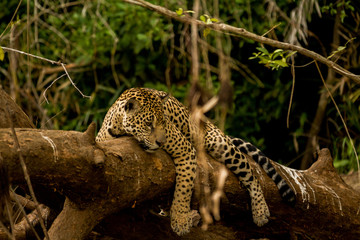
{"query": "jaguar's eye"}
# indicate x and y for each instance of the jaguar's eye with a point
(148, 123)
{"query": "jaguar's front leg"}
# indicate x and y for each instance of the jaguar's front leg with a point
(184, 157)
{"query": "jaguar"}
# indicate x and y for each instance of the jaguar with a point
(158, 120)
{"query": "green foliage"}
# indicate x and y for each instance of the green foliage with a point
(340, 49)
(207, 20)
(303, 120)
(204, 18)
(344, 156)
(181, 12)
(137, 39)
(340, 6)
(275, 60)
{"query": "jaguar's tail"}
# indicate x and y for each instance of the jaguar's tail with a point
(4, 193)
(285, 190)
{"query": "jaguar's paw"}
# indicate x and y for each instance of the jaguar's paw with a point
(182, 222)
(260, 212)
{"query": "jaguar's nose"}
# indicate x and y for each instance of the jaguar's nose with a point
(159, 143)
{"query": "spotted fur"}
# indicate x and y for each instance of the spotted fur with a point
(284, 189)
(179, 115)
(140, 113)
(176, 115)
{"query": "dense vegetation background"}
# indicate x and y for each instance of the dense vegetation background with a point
(110, 46)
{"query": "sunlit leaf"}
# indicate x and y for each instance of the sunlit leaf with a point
(290, 54)
(2, 54)
(264, 50)
(280, 63)
(276, 54)
(179, 12)
(278, 50)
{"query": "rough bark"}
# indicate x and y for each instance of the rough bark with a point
(20, 118)
(71, 163)
(64, 161)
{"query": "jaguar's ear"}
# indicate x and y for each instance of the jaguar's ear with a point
(131, 106)
(164, 98)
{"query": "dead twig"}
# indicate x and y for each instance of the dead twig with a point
(21, 203)
(26, 174)
(48, 60)
(44, 93)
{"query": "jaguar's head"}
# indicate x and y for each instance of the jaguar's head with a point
(144, 119)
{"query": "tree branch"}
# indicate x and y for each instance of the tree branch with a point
(241, 32)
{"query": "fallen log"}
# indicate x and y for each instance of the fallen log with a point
(101, 179)
(65, 161)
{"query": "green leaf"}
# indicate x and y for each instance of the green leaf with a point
(276, 54)
(333, 11)
(342, 15)
(141, 37)
(202, 18)
(355, 95)
(206, 32)
(278, 51)
(290, 54)
(179, 12)
(256, 55)
(2, 54)
(280, 63)
(341, 163)
(303, 119)
(341, 48)
(264, 50)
